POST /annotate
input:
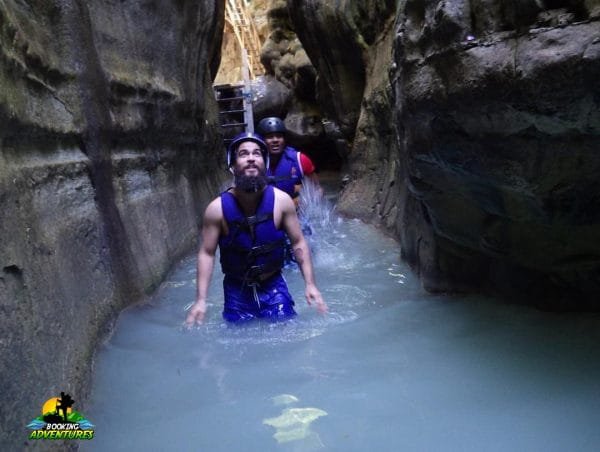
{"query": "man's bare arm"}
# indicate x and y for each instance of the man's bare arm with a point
(211, 229)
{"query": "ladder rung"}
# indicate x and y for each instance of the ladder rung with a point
(237, 124)
(231, 111)
(227, 86)
(230, 98)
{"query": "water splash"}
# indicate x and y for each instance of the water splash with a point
(314, 208)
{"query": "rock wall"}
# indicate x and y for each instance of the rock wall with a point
(230, 69)
(290, 79)
(290, 90)
(499, 106)
(355, 91)
(107, 139)
(481, 158)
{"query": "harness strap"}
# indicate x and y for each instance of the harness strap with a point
(266, 248)
(249, 223)
(259, 249)
(252, 220)
(273, 179)
(253, 273)
(254, 284)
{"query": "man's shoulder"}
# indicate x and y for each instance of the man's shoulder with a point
(305, 162)
(281, 196)
(291, 151)
(214, 210)
(308, 167)
(216, 200)
(278, 192)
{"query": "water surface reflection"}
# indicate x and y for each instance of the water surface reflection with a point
(390, 368)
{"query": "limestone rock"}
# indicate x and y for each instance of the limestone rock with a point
(303, 124)
(498, 140)
(480, 157)
(270, 97)
(108, 126)
(287, 62)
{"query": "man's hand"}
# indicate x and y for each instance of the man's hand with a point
(196, 314)
(314, 296)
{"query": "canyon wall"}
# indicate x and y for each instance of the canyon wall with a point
(481, 154)
(107, 159)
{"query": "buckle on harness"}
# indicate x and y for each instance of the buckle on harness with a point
(255, 251)
(254, 272)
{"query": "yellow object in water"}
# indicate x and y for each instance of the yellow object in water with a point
(293, 424)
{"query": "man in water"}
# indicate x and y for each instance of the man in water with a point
(247, 222)
(287, 166)
(287, 169)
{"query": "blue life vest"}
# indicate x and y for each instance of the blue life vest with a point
(288, 172)
(253, 246)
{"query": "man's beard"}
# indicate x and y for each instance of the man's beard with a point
(250, 184)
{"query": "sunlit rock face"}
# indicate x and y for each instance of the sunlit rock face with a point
(230, 68)
(107, 138)
(289, 68)
(489, 179)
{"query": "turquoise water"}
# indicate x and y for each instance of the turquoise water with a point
(390, 368)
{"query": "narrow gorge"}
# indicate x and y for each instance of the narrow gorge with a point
(468, 130)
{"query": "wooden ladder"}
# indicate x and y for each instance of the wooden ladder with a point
(246, 34)
(235, 105)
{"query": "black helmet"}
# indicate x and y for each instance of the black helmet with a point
(239, 139)
(271, 125)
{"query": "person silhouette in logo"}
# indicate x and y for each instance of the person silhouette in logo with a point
(64, 403)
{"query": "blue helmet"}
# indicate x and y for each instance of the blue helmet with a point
(239, 139)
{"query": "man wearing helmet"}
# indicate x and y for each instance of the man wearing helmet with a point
(287, 167)
(249, 222)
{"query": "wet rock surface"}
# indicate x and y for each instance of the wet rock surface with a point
(499, 132)
(290, 90)
(107, 134)
(481, 156)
